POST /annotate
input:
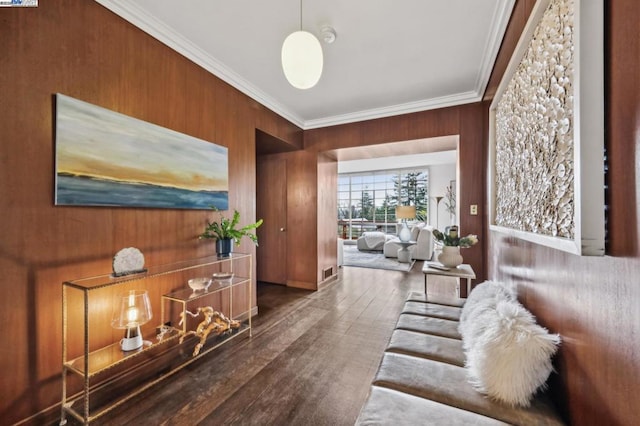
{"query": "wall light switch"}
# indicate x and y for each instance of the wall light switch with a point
(474, 209)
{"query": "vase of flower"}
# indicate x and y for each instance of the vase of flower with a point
(451, 243)
(450, 256)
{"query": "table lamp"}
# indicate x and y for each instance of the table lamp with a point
(134, 310)
(404, 213)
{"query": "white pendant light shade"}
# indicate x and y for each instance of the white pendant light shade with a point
(302, 59)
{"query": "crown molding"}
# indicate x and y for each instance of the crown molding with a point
(389, 111)
(501, 16)
(140, 18)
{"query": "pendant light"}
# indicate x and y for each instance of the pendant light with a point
(302, 58)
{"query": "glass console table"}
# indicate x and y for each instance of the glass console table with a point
(98, 376)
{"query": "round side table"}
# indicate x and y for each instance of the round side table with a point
(404, 255)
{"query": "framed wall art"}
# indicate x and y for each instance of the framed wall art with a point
(546, 131)
(104, 158)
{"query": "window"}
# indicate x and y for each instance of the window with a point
(367, 200)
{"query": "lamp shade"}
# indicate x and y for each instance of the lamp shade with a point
(302, 59)
(405, 212)
(133, 309)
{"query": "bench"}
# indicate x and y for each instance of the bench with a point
(422, 379)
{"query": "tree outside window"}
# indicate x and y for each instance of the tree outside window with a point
(367, 201)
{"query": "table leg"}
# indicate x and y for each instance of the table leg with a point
(404, 255)
(425, 283)
(468, 287)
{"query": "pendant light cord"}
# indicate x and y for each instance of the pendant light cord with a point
(300, 15)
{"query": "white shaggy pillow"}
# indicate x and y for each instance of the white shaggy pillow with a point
(510, 358)
(485, 295)
(475, 326)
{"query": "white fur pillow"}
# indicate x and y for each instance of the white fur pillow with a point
(510, 357)
(483, 296)
(474, 326)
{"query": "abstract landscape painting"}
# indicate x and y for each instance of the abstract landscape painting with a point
(104, 158)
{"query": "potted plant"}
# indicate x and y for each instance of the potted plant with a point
(226, 232)
(451, 243)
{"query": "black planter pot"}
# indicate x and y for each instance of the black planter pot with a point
(224, 247)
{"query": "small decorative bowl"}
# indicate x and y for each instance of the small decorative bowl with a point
(199, 283)
(223, 277)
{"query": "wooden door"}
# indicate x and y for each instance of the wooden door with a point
(271, 205)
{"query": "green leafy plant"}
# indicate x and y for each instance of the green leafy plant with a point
(227, 228)
(451, 238)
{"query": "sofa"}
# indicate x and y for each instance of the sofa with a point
(423, 250)
(424, 376)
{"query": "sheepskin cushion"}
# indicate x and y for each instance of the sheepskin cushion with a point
(474, 326)
(484, 296)
(510, 358)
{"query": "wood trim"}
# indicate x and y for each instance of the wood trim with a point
(302, 284)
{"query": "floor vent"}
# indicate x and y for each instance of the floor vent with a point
(327, 272)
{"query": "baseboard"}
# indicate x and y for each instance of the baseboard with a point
(326, 283)
(302, 284)
(48, 416)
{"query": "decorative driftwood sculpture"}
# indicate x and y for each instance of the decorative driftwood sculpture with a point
(214, 322)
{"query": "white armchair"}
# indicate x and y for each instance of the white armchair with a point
(423, 250)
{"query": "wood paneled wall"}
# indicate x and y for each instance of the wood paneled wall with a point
(302, 207)
(594, 302)
(467, 121)
(327, 207)
(79, 48)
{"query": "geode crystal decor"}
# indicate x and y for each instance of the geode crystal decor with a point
(128, 261)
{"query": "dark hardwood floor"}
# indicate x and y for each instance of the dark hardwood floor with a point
(310, 361)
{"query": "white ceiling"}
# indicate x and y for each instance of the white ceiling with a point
(390, 57)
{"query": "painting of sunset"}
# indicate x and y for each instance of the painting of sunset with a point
(104, 158)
